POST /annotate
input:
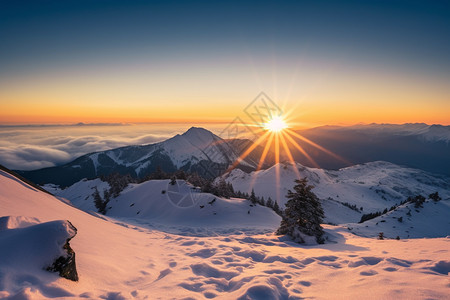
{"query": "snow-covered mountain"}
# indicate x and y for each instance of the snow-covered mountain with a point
(122, 259)
(369, 187)
(421, 146)
(346, 195)
(196, 150)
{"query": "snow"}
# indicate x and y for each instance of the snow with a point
(119, 259)
(44, 239)
(373, 186)
(27, 247)
(157, 202)
(431, 220)
(11, 222)
(197, 143)
(178, 206)
(94, 158)
(194, 145)
(81, 193)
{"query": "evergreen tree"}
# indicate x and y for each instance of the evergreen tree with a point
(303, 214)
(106, 195)
(230, 190)
(222, 189)
(269, 203)
(276, 208)
(417, 200)
(253, 197)
(435, 197)
(207, 187)
(262, 201)
(196, 180)
(117, 183)
(99, 203)
(180, 174)
(158, 174)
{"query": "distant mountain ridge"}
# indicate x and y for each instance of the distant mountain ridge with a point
(415, 145)
(433, 132)
(418, 145)
(197, 150)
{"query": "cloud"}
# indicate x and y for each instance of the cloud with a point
(25, 148)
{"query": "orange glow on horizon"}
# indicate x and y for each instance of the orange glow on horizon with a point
(16, 112)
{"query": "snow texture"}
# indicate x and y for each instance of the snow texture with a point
(120, 259)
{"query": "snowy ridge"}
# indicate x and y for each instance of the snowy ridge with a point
(119, 259)
(372, 186)
(198, 144)
(425, 131)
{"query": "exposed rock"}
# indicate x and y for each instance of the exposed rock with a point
(65, 265)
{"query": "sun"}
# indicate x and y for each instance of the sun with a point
(276, 125)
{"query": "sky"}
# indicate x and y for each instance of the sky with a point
(325, 62)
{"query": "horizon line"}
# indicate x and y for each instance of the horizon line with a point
(191, 122)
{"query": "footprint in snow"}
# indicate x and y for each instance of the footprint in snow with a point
(368, 273)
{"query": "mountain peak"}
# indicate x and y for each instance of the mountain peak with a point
(197, 130)
(196, 134)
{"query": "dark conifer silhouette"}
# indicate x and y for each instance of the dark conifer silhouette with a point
(303, 214)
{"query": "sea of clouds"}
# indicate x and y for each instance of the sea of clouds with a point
(38, 146)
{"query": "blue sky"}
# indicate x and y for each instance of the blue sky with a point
(197, 48)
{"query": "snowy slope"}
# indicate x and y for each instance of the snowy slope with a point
(372, 186)
(117, 260)
(80, 193)
(407, 221)
(179, 206)
(160, 203)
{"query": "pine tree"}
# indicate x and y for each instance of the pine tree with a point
(158, 174)
(262, 201)
(269, 202)
(253, 197)
(117, 183)
(418, 201)
(303, 214)
(196, 180)
(180, 174)
(276, 208)
(230, 190)
(207, 187)
(99, 203)
(223, 189)
(435, 197)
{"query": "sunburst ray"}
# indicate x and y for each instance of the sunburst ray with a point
(316, 145)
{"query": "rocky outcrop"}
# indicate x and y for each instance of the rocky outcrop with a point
(65, 265)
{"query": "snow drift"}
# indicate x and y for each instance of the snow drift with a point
(117, 259)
